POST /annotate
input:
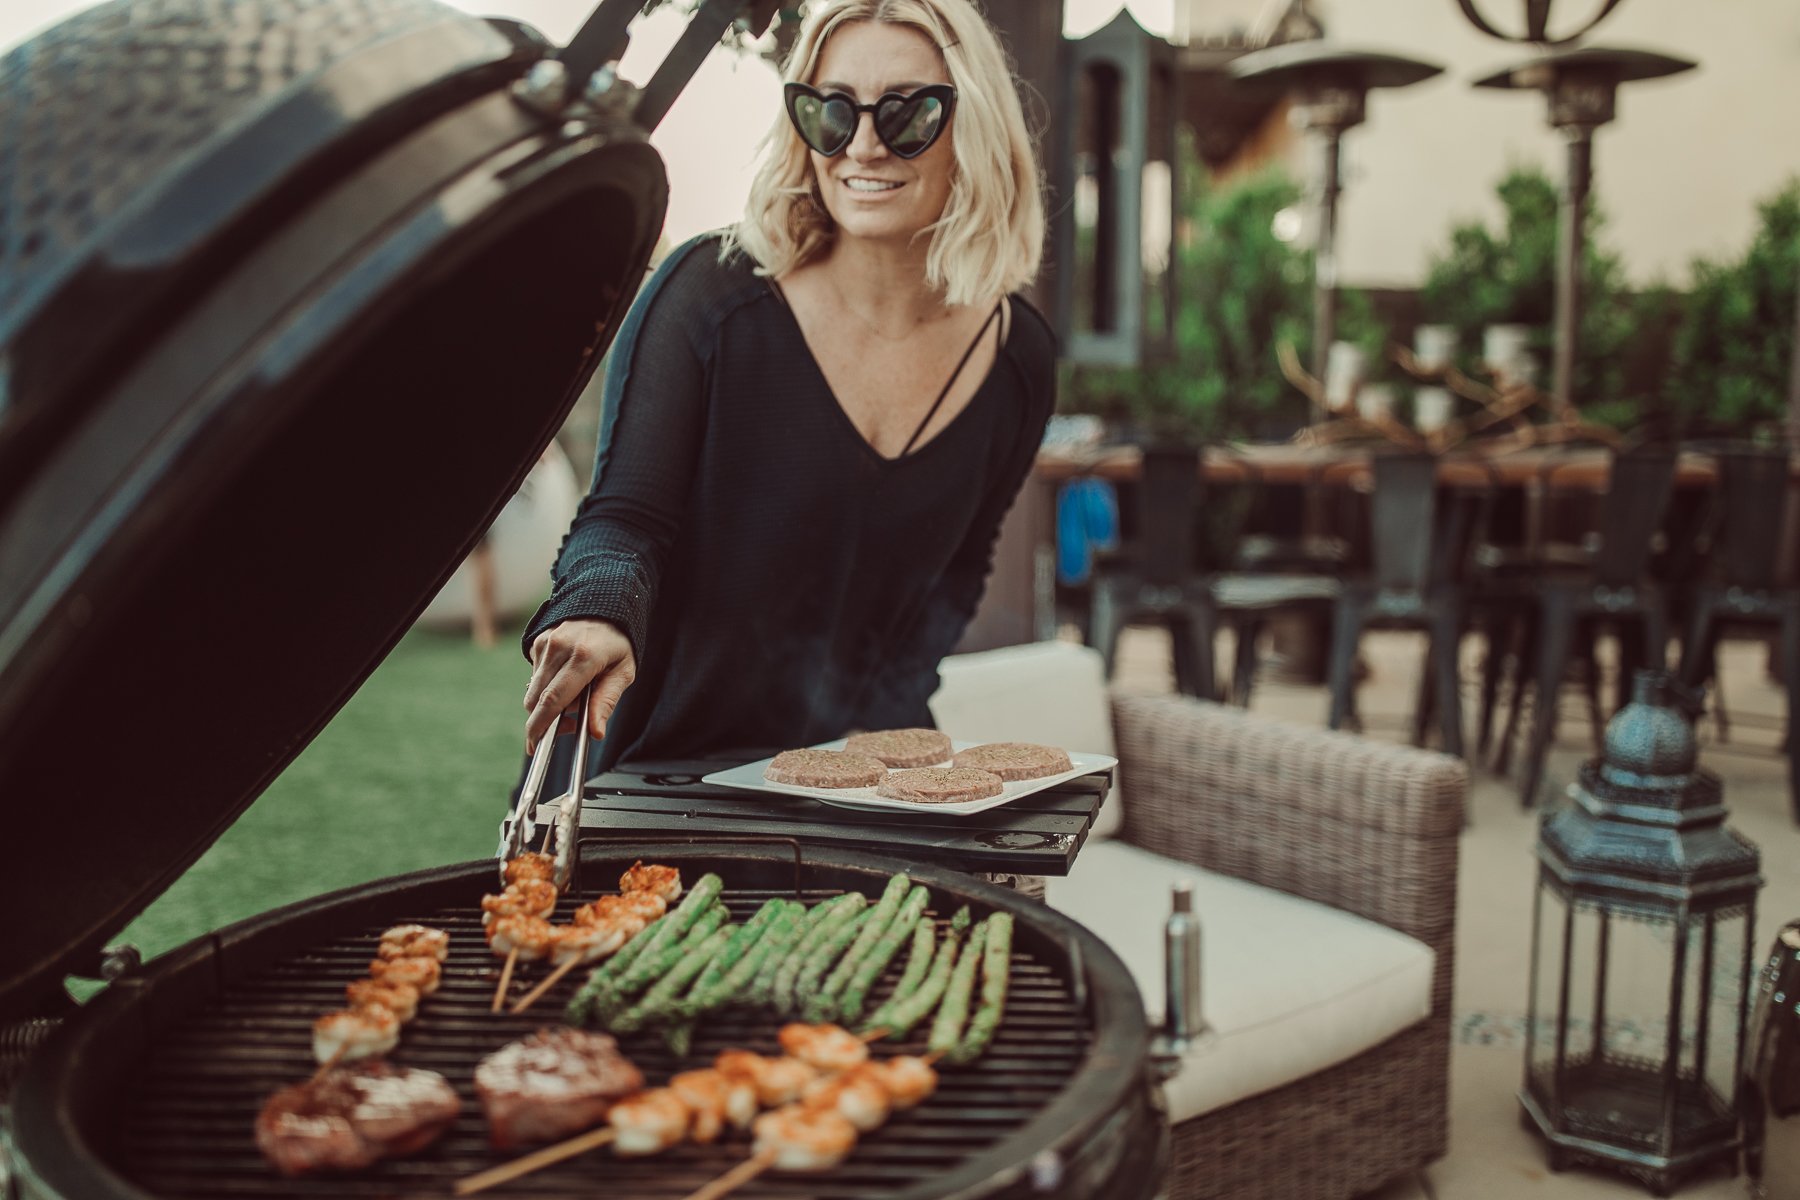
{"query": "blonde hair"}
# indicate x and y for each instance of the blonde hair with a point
(990, 238)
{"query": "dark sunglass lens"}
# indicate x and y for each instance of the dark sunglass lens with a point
(825, 122)
(908, 126)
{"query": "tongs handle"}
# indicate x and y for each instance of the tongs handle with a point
(519, 829)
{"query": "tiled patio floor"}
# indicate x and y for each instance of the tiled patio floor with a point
(1491, 1157)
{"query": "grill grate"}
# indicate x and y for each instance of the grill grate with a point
(188, 1128)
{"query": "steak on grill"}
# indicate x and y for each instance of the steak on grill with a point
(1015, 760)
(555, 1082)
(825, 769)
(353, 1116)
(903, 747)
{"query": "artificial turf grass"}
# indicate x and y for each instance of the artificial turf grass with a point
(413, 772)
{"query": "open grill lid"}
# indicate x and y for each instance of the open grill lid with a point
(293, 293)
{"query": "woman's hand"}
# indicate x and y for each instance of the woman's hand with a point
(564, 659)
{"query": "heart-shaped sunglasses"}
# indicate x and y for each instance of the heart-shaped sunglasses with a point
(907, 123)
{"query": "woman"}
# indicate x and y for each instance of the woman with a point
(814, 423)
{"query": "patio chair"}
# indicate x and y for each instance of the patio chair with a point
(1157, 577)
(1770, 1083)
(1324, 869)
(1751, 510)
(1616, 588)
(1413, 586)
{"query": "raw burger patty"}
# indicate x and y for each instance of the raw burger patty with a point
(940, 785)
(825, 769)
(902, 747)
(1015, 760)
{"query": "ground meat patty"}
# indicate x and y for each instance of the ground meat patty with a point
(1015, 760)
(902, 747)
(353, 1116)
(940, 785)
(825, 769)
(551, 1084)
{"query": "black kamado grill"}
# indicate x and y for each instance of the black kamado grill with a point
(292, 295)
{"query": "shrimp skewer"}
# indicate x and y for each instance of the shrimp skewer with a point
(414, 941)
(528, 895)
(574, 945)
(663, 882)
(352, 1033)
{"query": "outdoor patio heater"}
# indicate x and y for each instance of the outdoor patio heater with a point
(1330, 84)
(1641, 957)
(1581, 84)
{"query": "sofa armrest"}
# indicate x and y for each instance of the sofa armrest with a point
(1363, 826)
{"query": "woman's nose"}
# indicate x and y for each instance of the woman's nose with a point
(865, 146)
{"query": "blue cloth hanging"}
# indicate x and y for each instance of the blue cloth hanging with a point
(1087, 521)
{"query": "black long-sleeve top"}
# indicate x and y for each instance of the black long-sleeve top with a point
(780, 581)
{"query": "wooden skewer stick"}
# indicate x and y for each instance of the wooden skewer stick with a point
(737, 1177)
(537, 1160)
(337, 1057)
(506, 974)
(550, 981)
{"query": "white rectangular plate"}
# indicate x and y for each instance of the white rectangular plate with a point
(750, 778)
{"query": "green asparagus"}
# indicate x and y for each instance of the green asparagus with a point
(709, 993)
(656, 1003)
(904, 924)
(953, 1012)
(824, 934)
(902, 1012)
(996, 968)
(822, 1002)
(812, 972)
(675, 925)
(653, 964)
(599, 980)
(763, 989)
(743, 938)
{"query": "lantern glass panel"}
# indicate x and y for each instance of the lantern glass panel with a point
(1546, 990)
(1722, 1033)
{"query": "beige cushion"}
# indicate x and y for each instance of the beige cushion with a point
(1288, 986)
(1053, 693)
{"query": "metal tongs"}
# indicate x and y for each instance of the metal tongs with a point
(519, 830)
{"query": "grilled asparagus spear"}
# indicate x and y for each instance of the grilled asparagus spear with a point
(653, 965)
(762, 986)
(953, 1013)
(820, 1002)
(674, 926)
(823, 937)
(850, 1004)
(902, 1012)
(996, 969)
(599, 980)
(659, 1000)
(812, 972)
(773, 943)
(742, 940)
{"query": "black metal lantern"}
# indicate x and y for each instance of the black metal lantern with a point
(1641, 956)
(1117, 164)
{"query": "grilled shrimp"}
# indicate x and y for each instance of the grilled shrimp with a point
(530, 937)
(585, 943)
(530, 865)
(355, 1033)
(531, 898)
(420, 973)
(648, 1122)
(634, 909)
(776, 1080)
(707, 1094)
(858, 1095)
(827, 1047)
(801, 1139)
(401, 999)
(663, 882)
(909, 1080)
(414, 941)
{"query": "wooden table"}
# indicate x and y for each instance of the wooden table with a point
(1038, 834)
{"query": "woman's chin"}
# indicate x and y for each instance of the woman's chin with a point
(875, 226)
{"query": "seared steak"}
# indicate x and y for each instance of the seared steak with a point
(352, 1116)
(555, 1082)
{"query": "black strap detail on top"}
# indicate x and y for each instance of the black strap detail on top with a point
(949, 383)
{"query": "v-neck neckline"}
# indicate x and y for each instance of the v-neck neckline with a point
(780, 297)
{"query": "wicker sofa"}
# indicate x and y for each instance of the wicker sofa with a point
(1361, 827)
